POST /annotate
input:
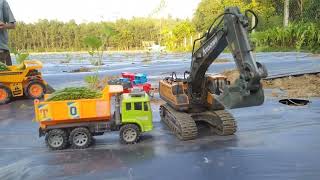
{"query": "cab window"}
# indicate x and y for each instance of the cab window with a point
(177, 89)
(128, 106)
(146, 108)
(138, 106)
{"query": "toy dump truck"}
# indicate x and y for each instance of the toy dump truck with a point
(75, 122)
(22, 80)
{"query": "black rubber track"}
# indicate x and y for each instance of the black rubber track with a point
(180, 123)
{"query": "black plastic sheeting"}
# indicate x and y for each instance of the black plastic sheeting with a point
(273, 141)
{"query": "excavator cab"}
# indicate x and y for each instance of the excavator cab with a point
(174, 91)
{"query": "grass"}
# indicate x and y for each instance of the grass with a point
(297, 36)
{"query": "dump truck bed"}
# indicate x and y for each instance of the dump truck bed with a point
(50, 113)
(16, 75)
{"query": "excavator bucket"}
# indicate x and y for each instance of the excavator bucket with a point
(236, 97)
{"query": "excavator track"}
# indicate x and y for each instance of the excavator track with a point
(180, 123)
(225, 123)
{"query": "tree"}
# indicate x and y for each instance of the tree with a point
(311, 11)
(208, 10)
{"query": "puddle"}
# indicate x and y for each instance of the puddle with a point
(294, 102)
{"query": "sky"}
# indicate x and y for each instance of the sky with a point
(97, 10)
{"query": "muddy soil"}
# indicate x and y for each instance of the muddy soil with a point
(296, 87)
(304, 86)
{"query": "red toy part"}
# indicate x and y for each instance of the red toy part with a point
(127, 90)
(145, 87)
(128, 75)
(131, 76)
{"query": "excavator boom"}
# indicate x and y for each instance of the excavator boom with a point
(248, 90)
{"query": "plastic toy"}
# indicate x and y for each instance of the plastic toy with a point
(75, 122)
(26, 81)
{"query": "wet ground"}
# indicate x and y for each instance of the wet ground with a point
(274, 141)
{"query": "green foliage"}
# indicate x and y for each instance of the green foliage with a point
(175, 34)
(312, 11)
(298, 36)
(174, 39)
(74, 93)
(92, 81)
(3, 67)
(208, 10)
(20, 56)
(108, 33)
(57, 36)
(183, 29)
(94, 43)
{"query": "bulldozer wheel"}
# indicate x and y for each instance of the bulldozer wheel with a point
(129, 134)
(57, 139)
(80, 138)
(35, 90)
(5, 95)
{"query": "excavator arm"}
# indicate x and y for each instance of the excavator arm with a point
(247, 90)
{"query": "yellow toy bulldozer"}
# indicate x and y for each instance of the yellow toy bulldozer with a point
(22, 80)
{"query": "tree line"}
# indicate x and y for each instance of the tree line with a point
(123, 34)
(175, 34)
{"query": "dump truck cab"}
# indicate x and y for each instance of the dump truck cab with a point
(136, 109)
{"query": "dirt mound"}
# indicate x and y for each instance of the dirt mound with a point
(232, 75)
(301, 86)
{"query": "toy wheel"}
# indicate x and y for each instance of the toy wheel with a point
(80, 138)
(129, 134)
(5, 95)
(35, 90)
(57, 139)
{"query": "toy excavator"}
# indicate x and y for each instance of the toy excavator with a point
(203, 98)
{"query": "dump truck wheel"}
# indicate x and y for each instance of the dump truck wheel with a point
(57, 139)
(5, 95)
(80, 138)
(129, 134)
(35, 90)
